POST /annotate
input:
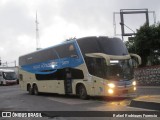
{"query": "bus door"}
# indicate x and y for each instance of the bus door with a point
(96, 69)
(68, 81)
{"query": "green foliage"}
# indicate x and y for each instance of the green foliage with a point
(146, 44)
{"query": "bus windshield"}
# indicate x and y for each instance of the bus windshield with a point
(9, 75)
(120, 70)
(117, 70)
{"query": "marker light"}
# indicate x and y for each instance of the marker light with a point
(111, 85)
(134, 83)
(110, 91)
(134, 88)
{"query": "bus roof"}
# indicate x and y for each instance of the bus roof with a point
(62, 43)
(102, 44)
(91, 44)
(66, 42)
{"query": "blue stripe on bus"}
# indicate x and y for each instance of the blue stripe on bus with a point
(51, 66)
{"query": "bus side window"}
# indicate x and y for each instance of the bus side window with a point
(90, 65)
(96, 66)
(60, 75)
(76, 73)
(99, 67)
(67, 50)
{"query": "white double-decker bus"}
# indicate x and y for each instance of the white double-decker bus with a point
(89, 66)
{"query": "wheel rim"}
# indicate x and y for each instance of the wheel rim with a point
(30, 90)
(35, 90)
(82, 91)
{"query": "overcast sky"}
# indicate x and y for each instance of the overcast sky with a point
(60, 20)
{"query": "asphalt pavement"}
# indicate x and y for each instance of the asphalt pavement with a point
(148, 97)
(14, 99)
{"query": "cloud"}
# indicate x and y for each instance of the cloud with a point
(62, 30)
(14, 22)
(88, 14)
(58, 20)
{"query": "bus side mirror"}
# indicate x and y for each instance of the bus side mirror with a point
(136, 59)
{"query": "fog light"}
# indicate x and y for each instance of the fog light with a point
(134, 88)
(110, 91)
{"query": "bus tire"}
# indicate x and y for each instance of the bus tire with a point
(30, 90)
(35, 90)
(82, 92)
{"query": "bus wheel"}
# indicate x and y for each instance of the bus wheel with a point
(35, 90)
(30, 90)
(82, 92)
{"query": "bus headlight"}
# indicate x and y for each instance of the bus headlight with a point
(111, 85)
(134, 83)
(110, 91)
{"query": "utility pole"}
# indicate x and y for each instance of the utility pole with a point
(37, 34)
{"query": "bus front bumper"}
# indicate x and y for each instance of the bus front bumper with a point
(10, 82)
(121, 91)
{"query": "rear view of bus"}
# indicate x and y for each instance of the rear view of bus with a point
(8, 77)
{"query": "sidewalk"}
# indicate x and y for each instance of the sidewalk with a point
(158, 87)
(147, 102)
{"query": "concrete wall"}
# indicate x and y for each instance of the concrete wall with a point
(148, 76)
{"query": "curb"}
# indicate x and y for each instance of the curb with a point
(145, 104)
(157, 87)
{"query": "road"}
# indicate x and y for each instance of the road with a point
(13, 99)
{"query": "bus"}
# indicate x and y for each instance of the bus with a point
(88, 66)
(7, 77)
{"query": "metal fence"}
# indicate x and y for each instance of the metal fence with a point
(148, 76)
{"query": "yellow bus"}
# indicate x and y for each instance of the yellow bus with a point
(89, 66)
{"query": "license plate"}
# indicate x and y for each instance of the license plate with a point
(125, 91)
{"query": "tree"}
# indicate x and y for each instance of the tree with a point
(147, 44)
